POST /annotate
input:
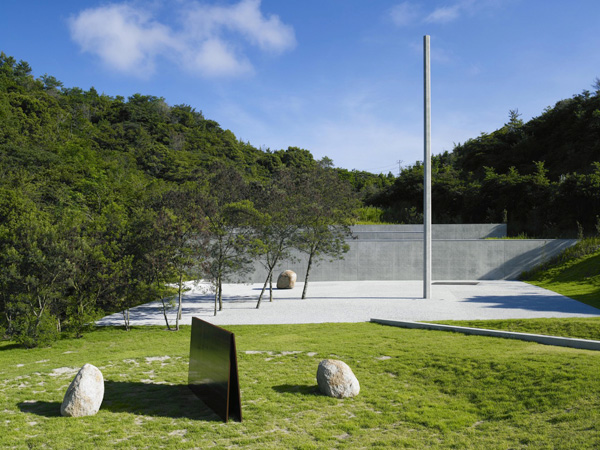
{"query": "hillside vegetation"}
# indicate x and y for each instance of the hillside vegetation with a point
(104, 201)
(575, 273)
(541, 177)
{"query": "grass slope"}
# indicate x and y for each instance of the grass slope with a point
(582, 328)
(419, 389)
(575, 274)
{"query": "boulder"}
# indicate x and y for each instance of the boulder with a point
(286, 280)
(336, 379)
(85, 393)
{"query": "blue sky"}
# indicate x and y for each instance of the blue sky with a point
(341, 78)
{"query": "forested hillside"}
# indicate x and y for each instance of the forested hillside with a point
(541, 177)
(104, 201)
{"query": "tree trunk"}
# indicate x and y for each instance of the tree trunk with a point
(306, 277)
(126, 318)
(271, 286)
(179, 306)
(220, 294)
(216, 296)
(165, 313)
(8, 324)
(263, 289)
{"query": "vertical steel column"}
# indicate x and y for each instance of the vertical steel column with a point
(427, 175)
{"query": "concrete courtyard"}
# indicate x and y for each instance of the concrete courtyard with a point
(359, 301)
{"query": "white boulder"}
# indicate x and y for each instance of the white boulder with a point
(336, 379)
(85, 393)
(286, 280)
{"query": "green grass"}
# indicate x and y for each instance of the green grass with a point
(503, 238)
(370, 215)
(419, 389)
(577, 327)
(574, 273)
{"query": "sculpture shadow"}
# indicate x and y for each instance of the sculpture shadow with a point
(298, 389)
(160, 400)
(45, 409)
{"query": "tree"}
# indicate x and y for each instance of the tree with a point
(186, 236)
(231, 233)
(325, 162)
(86, 284)
(171, 233)
(34, 269)
(152, 264)
(276, 228)
(230, 218)
(327, 208)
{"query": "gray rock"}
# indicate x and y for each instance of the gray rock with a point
(336, 379)
(85, 393)
(286, 280)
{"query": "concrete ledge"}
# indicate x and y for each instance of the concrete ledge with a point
(540, 338)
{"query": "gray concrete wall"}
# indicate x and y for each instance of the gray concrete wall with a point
(453, 259)
(466, 231)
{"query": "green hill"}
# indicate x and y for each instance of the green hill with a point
(575, 273)
(105, 200)
(541, 177)
(47, 125)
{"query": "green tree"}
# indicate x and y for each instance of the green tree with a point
(230, 217)
(34, 269)
(278, 224)
(184, 231)
(326, 211)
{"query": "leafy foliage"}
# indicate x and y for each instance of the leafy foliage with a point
(107, 202)
(324, 217)
(541, 177)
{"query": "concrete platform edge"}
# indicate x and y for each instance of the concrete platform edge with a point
(584, 344)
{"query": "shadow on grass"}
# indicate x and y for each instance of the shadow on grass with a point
(146, 399)
(160, 400)
(298, 389)
(11, 346)
(46, 409)
(577, 280)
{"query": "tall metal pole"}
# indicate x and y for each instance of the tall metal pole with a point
(427, 176)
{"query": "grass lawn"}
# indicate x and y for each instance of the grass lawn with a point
(575, 277)
(419, 389)
(577, 327)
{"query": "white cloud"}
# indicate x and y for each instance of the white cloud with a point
(408, 13)
(444, 14)
(404, 14)
(214, 58)
(124, 38)
(245, 18)
(208, 41)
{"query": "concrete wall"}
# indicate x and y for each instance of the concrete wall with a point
(370, 258)
(467, 231)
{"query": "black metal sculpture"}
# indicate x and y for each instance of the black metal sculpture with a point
(213, 372)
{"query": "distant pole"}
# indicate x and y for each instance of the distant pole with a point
(427, 175)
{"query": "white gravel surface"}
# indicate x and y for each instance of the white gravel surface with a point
(359, 301)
